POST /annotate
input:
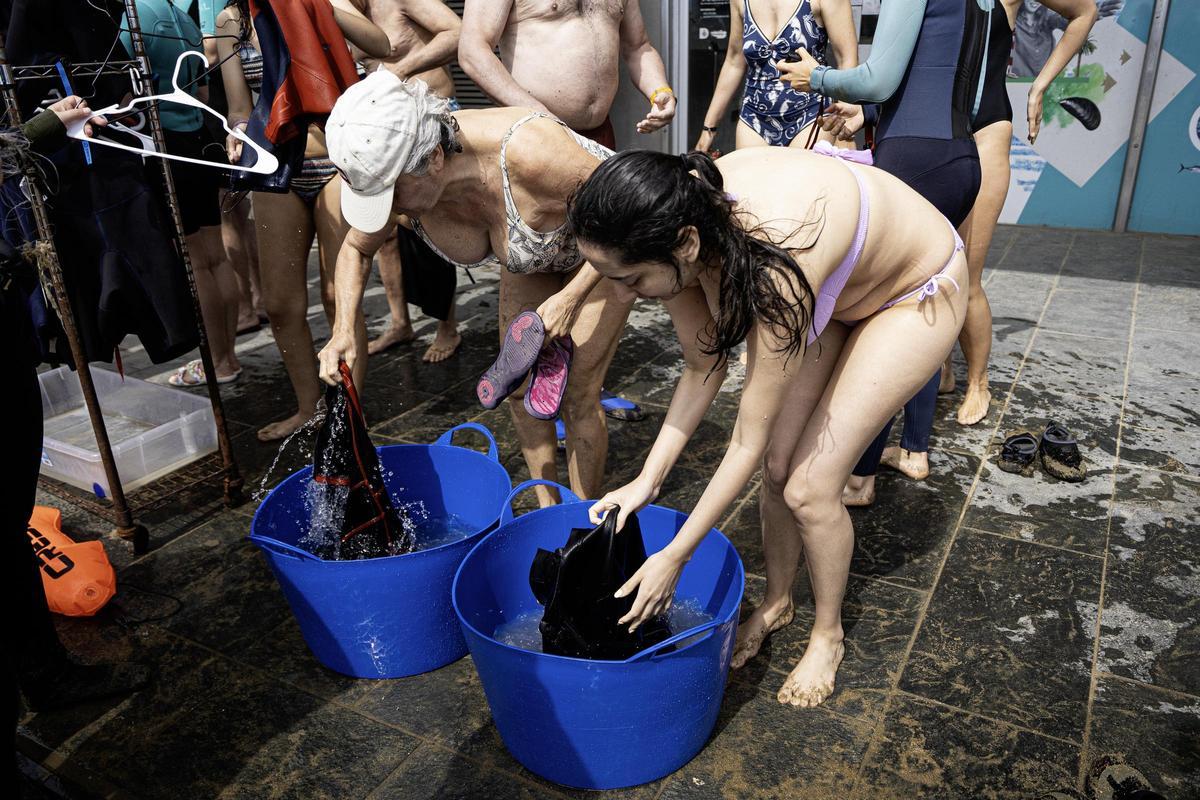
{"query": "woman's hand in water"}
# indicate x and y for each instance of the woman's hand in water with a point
(341, 347)
(1034, 111)
(630, 498)
(655, 585)
(843, 120)
(798, 73)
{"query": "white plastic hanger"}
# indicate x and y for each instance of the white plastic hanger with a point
(266, 164)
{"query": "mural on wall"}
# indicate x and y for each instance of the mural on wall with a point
(1072, 176)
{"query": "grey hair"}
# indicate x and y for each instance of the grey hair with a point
(434, 127)
(14, 147)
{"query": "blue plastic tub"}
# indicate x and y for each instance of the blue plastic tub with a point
(598, 724)
(386, 617)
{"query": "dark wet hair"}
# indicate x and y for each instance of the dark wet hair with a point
(637, 203)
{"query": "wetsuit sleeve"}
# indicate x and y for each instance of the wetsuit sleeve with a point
(45, 132)
(879, 76)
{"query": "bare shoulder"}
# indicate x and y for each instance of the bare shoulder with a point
(542, 152)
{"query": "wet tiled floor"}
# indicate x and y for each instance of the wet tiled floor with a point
(1002, 632)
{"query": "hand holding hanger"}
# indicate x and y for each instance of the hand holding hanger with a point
(266, 164)
(72, 110)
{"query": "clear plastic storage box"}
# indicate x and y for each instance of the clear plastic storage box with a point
(153, 429)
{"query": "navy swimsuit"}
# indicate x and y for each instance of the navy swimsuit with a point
(771, 108)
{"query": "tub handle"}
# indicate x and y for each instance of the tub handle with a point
(506, 513)
(654, 649)
(281, 548)
(447, 438)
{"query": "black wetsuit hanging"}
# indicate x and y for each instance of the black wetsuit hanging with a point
(346, 470)
(576, 584)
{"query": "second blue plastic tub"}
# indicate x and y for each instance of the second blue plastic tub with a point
(598, 724)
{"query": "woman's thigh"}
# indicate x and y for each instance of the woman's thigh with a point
(820, 358)
(885, 360)
(524, 292)
(285, 233)
(994, 143)
(596, 333)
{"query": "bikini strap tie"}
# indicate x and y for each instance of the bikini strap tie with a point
(844, 153)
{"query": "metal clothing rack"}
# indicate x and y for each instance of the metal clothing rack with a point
(219, 466)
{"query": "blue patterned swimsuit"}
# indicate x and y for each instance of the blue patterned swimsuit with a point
(772, 109)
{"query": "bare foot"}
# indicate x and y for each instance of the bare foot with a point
(761, 623)
(445, 344)
(946, 386)
(811, 682)
(283, 428)
(914, 465)
(975, 404)
(859, 491)
(394, 335)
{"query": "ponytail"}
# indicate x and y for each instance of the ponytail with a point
(638, 203)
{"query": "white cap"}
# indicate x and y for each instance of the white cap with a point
(379, 129)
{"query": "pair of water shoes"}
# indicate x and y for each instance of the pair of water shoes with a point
(1055, 451)
(525, 351)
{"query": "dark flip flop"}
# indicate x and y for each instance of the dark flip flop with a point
(1059, 454)
(1018, 454)
(518, 353)
(620, 408)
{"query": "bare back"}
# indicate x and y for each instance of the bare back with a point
(405, 34)
(908, 240)
(565, 53)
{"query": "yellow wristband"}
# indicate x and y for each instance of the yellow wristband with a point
(654, 95)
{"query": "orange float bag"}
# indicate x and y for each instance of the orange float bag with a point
(78, 577)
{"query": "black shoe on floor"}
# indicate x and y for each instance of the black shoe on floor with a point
(1059, 454)
(1018, 454)
(69, 683)
(1110, 778)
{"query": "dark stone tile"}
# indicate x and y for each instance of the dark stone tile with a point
(1105, 256)
(1162, 402)
(1005, 634)
(439, 774)
(762, 749)
(1076, 365)
(931, 751)
(1042, 509)
(424, 423)
(1170, 305)
(1103, 308)
(220, 729)
(1150, 621)
(1038, 250)
(904, 536)
(102, 640)
(1170, 258)
(1175, 451)
(420, 703)
(210, 586)
(878, 620)
(1156, 732)
(1015, 294)
(1165, 355)
(284, 654)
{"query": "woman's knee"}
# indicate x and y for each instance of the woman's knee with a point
(775, 471)
(812, 507)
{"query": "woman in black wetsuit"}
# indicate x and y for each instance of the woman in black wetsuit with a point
(992, 123)
(924, 71)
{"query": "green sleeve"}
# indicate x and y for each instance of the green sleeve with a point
(45, 132)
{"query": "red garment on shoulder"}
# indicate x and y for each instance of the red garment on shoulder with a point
(321, 67)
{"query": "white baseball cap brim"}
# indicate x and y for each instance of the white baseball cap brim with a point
(368, 212)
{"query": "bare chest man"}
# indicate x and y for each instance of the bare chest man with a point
(406, 35)
(566, 54)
